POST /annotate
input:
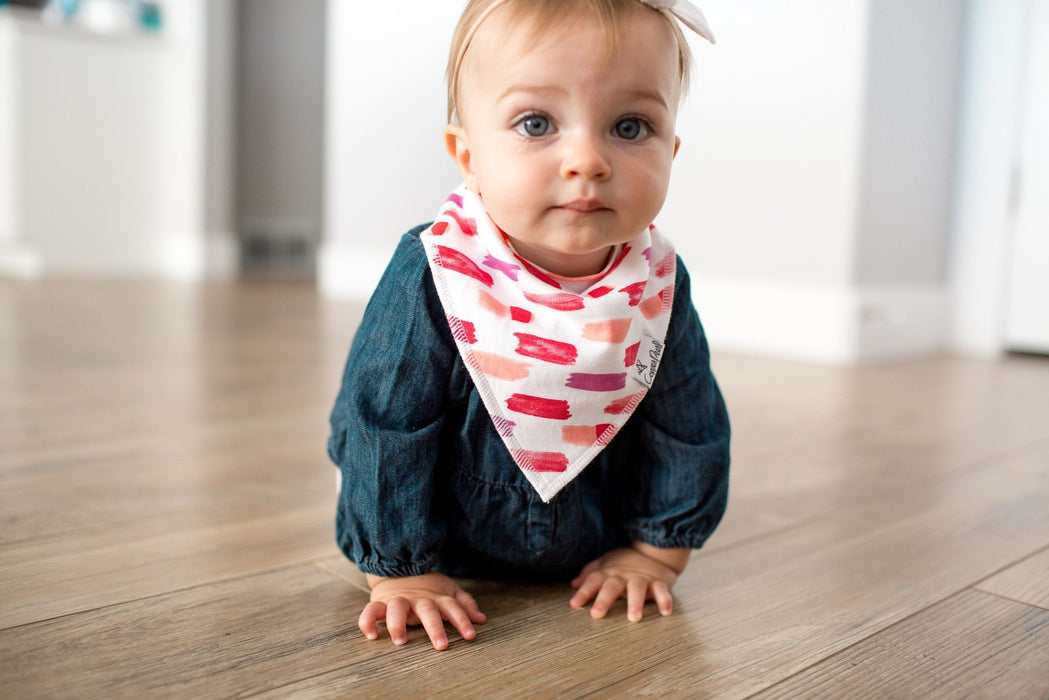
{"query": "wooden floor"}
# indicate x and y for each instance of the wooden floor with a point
(166, 516)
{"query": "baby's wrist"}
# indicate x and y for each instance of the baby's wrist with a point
(372, 580)
(674, 558)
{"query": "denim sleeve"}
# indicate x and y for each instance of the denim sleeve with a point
(679, 441)
(387, 420)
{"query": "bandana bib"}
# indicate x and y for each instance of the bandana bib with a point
(559, 372)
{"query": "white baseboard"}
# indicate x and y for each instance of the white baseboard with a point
(19, 261)
(829, 324)
(350, 272)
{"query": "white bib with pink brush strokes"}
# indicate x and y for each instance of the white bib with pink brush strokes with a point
(559, 372)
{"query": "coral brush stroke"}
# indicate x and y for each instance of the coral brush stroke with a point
(500, 367)
(514, 313)
(451, 259)
(541, 461)
(655, 305)
(559, 302)
(552, 351)
(586, 435)
(555, 409)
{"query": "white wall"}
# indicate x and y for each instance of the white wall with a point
(810, 198)
(386, 167)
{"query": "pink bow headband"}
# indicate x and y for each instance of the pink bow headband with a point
(686, 13)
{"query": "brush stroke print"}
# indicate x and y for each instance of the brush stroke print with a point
(554, 409)
(552, 351)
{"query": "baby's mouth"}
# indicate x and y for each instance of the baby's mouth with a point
(584, 206)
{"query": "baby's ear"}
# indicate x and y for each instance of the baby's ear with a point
(458, 145)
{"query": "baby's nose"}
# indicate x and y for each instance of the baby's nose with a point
(584, 157)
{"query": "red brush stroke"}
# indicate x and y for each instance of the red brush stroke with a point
(605, 433)
(562, 301)
(599, 292)
(552, 351)
(620, 406)
(452, 259)
(468, 226)
(537, 273)
(631, 354)
(554, 409)
(665, 266)
(439, 228)
(620, 259)
(463, 331)
(541, 461)
(635, 291)
(520, 315)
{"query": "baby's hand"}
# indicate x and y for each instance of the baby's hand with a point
(641, 572)
(426, 600)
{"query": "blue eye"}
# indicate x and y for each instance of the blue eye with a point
(534, 125)
(631, 129)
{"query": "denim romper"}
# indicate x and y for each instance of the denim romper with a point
(427, 483)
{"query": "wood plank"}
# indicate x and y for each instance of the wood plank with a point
(103, 492)
(748, 616)
(1026, 582)
(808, 439)
(50, 577)
(969, 645)
(222, 640)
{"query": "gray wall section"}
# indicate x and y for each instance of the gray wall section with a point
(280, 117)
(909, 134)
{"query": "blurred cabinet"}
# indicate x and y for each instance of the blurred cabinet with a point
(83, 157)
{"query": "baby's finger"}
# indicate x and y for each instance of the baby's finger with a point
(430, 617)
(470, 606)
(587, 570)
(610, 592)
(397, 611)
(587, 590)
(372, 613)
(454, 613)
(661, 594)
(636, 592)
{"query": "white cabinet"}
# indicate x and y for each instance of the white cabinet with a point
(1027, 315)
(104, 146)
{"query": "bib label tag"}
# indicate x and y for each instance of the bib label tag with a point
(647, 363)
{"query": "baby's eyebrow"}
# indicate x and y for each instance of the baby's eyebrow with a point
(539, 90)
(639, 94)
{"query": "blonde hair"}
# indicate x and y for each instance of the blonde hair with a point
(543, 14)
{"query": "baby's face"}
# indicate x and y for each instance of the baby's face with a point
(569, 144)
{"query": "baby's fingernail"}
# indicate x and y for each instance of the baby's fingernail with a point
(664, 613)
(372, 636)
(633, 617)
(400, 640)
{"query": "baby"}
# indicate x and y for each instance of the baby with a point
(529, 394)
